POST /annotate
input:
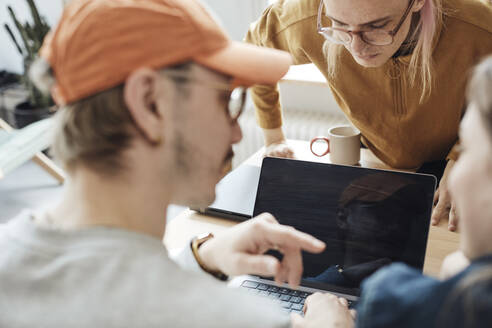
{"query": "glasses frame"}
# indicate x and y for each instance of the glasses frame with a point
(322, 30)
(216, 86)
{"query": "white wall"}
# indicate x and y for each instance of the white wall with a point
(236, 15)
(10, 59)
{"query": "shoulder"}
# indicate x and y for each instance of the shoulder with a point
(165, 293)
(198, 300)
(468, 302)
(477, 13)
(404, 290)
(194, 298)
(283, 14)
(395, 277)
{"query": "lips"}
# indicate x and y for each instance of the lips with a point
(365, 57)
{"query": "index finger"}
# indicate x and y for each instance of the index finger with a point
(288, 237)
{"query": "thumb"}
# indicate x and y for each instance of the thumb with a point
(262, 265)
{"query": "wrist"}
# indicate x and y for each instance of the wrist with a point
(271, 136)
(205, 252)
(202, 250)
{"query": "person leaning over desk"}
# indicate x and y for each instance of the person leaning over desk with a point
(400, 296)
(397, 69)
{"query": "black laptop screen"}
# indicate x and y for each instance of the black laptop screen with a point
(368, 218)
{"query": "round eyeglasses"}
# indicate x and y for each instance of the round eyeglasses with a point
(373, 37)
(235, 97)
(236, 104)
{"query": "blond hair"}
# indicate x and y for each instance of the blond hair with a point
(421, 66)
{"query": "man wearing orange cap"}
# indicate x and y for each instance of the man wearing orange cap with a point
(148, 114)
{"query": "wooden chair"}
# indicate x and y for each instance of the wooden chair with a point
(19, 146)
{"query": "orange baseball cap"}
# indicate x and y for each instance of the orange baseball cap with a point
(98, 43)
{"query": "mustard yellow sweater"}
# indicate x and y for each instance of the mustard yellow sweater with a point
(400, 130)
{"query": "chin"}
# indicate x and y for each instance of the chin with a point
(202, 201)
(370, 62)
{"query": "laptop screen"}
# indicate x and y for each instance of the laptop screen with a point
(368, 218)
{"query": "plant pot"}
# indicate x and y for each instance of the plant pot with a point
(10, 96)
(25, 114)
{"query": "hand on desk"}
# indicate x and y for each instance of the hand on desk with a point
(443, 205)
(240, 250)
(279, 149)
(324, 310)
(276, 145)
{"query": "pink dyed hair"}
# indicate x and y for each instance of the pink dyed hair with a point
(421, 60)
(421, 67)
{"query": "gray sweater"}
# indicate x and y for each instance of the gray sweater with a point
(108, 277)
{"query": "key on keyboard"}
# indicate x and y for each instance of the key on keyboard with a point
(289, 299)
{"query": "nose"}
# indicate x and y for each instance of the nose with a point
(358, 45)
(236, 134)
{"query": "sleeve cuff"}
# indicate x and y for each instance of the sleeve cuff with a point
(185, 259)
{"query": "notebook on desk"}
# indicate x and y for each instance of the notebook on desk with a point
(368, 218)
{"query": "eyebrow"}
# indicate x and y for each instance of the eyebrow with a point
(364, 24)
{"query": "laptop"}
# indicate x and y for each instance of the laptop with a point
(368, 218)
(235, 194)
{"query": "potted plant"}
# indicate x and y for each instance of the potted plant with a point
(37, 106)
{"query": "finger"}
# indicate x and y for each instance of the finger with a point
(441, 211)
(275, 152)
(453, 219)
(281, 276)
(267, 217)
(292, 260)
(343, 301)
(287, 238)
(436, 216)
(296, 320)
(307, 302)
(262, 265)
(318, 297)
(288, 153)
(436, 197)
(270, 152)
(353, 313)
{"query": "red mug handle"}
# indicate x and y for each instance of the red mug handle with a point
(320, 139)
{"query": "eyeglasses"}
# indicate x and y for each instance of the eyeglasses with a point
(374, 37)
(236, 98)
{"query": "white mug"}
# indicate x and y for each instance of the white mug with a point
(342, 143)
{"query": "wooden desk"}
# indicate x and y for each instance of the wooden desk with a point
(188, 224)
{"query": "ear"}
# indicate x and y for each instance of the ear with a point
(418, 5)
(140, 98)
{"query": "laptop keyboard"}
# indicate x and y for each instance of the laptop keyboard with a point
(289, 299)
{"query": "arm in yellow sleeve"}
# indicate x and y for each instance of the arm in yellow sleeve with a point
(273, 30)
